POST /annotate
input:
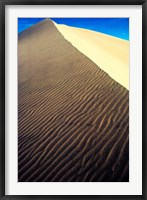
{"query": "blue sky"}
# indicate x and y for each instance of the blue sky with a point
(118, 27)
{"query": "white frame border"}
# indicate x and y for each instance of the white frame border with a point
(134, 186)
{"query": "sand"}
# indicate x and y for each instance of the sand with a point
(111, 54)
(73, 118)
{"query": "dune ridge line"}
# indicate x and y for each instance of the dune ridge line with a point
(110, 53)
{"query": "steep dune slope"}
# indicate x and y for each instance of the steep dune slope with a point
(72, 116)
(110, 53)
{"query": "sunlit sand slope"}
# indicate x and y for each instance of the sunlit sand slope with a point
(72, 116)
(110, 53)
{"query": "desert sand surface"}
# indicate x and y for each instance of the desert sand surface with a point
(73, 118)
(110, 53)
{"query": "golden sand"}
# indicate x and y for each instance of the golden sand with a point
(111, 54)
(73, 118)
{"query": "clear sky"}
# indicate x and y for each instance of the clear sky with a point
(118, 27)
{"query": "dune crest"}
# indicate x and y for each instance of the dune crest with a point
(111, 54)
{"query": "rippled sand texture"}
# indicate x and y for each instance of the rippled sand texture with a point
(73, 122)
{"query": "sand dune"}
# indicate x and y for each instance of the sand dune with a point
(72, 116)
(110, 53)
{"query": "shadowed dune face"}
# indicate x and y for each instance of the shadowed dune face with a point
(73, 123)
